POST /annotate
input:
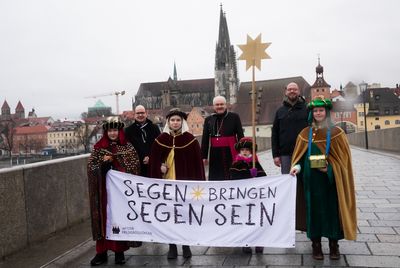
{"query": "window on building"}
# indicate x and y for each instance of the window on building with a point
(258, 129)
(360, 113)
(397, 122)
(377, 97)
(361, 123)
(376, 118)
(387, 111)
(387, 122)
(317, 90)
(377, 127)
(396, 110)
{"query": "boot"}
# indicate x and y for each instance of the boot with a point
(99, 259)
(246, 250)
(172, 252)
(187, 253)
(260, 250)
(317, 249)
(334, 253)
(119, 258)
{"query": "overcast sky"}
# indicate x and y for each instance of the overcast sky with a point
(55, 53)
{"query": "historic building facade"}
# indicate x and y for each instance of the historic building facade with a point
(196, 92)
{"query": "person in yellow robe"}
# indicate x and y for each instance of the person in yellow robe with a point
(322, 161)
(175, 155)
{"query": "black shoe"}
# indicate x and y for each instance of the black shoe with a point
(246, 250)
(259, 249)
(334, 253)
(119, 258)
(187, 253)
(317, 253)
(99, 259)
(172, 252)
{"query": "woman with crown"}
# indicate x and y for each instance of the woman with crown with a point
(322, 160)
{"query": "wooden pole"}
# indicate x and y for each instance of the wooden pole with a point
(253, 113)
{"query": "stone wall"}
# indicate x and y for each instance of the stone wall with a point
(37, 200)
(380, 139)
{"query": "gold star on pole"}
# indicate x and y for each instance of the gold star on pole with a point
(254, 52)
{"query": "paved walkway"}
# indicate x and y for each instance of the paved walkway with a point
(378, 243)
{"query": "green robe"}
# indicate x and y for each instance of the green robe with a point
(322, 213)
(339, 160)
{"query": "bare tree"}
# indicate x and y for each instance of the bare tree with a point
(7, 136)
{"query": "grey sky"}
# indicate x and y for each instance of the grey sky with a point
(54, 53)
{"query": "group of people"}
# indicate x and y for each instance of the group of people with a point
(304, 143)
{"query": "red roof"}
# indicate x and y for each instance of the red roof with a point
(31, 130)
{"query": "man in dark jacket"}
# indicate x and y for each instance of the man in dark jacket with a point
(142, 134)
(289, 120)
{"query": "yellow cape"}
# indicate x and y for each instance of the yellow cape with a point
(340, 160)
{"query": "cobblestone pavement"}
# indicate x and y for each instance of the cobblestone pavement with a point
(377, 245)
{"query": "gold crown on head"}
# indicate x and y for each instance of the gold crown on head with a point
(113, 122)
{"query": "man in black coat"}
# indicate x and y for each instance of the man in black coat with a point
(289, 120)
(222, 130)
(142, 134)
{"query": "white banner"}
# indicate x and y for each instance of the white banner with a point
(236, 213)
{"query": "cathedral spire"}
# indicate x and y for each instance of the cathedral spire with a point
(175, 74)
(226, 80)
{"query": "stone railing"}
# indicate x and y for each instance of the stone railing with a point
(37, 200)
(380, 139)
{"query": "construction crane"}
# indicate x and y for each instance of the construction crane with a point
(116, 93)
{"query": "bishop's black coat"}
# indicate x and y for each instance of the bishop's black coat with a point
(220, 161)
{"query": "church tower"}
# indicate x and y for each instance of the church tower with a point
(19, 110)
(5, 109)
(226, 78)
(320, 87)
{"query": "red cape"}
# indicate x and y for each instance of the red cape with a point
(188, 162)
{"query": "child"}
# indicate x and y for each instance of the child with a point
(242, 169)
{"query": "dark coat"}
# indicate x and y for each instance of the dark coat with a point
(289, 121)
(241, 170)
(220, 157)
(142, 137)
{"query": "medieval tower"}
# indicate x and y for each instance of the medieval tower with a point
(226, 78)
(320, 87)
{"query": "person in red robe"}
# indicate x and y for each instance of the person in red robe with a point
(175, 155)
(111, 152)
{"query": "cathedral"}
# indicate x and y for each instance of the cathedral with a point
(196, 92)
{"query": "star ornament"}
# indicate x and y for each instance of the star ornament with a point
(254, 52)
(197, 193)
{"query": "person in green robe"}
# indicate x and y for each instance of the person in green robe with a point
(322, 161)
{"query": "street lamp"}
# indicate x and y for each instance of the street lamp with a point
(363, 88)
